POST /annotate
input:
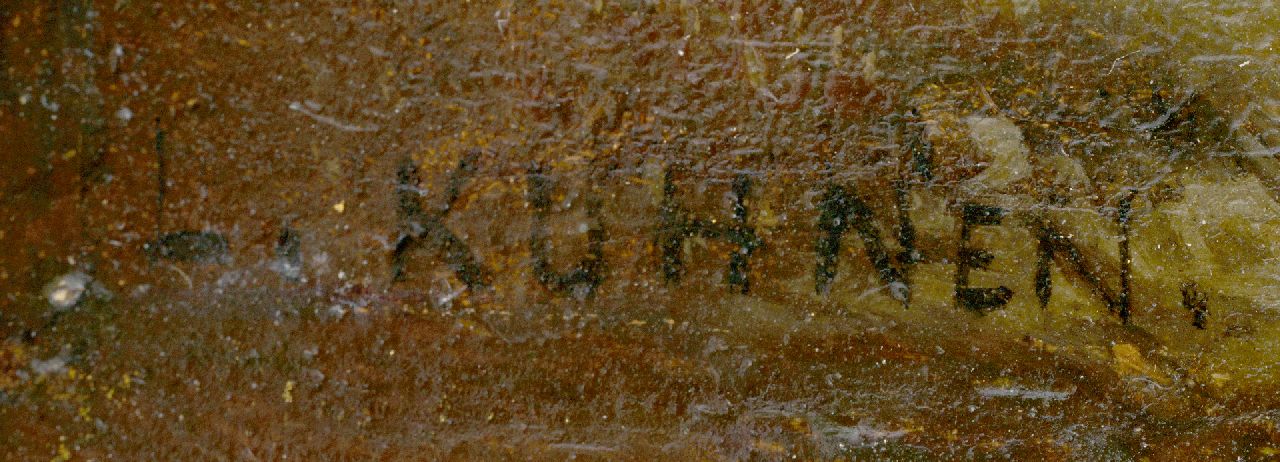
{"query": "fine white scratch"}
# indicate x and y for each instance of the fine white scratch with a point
(182, 273)
(330, 121)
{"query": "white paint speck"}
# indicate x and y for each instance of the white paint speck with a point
(65, 291)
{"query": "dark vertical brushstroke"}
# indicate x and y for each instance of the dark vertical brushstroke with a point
(741, 233)
(676, 225)
(1044, 257)
(906, 230)
(289, 253)
(1126, 259)
(1198, 303)
(84, 107)
(671, 231)
(162, 179)
(919, 149)
(834, 210)
(7, 90)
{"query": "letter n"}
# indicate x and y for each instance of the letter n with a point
(839, 210)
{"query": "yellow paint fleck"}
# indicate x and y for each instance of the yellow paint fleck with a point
(288, 392)
(64, 454)
(340, 206)
(769, 446)
(1129, 362)
(476, 328)
(799, 425)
